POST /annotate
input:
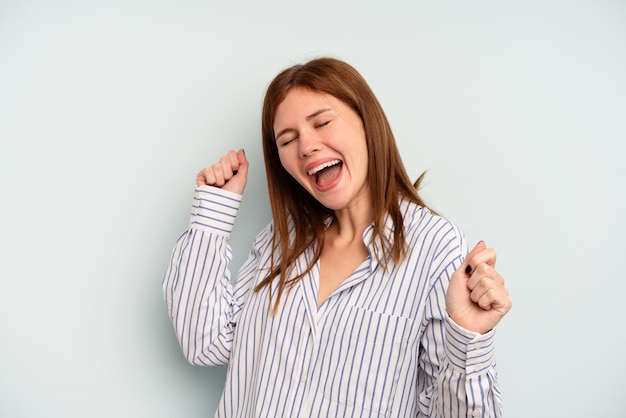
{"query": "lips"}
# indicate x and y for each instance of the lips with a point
(326, 175)
(322, 166)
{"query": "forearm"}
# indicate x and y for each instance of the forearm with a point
(467, 383)
(197, 287)
(458, 375)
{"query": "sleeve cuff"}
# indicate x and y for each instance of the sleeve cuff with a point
(469, 352)
(214, 210)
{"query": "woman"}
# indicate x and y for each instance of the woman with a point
(356, 300)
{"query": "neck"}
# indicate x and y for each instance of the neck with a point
(350, 223)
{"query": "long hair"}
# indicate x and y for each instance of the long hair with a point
(293, 207)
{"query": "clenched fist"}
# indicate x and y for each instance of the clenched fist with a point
(476, 298)
(229, 173)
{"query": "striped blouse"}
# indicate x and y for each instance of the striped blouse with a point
(381, 345)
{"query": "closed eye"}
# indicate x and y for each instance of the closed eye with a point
(320, 125)
(286, 141)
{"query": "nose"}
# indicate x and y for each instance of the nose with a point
(308, 144)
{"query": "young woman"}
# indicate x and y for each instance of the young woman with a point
(356, 300)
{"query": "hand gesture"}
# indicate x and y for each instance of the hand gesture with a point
(476, 298)
(229, 173)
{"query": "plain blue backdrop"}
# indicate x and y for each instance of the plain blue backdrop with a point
(109, 109)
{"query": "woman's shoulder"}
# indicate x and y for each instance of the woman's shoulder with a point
(421, 219)
(432, 235)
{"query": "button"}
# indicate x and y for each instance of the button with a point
(303, 378)
(477, 413)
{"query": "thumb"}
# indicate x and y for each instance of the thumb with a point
(237, 183)
(466, 265)
(243, 164)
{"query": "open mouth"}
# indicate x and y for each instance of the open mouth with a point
(326, 173)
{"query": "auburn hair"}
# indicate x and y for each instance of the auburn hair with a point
(293, 207)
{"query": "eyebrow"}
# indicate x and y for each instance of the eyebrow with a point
(309, 117)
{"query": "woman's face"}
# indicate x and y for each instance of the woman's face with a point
(321, 144)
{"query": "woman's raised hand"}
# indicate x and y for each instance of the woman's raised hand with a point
(229, 173)
(477, 298)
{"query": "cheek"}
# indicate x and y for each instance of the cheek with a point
(286, 161)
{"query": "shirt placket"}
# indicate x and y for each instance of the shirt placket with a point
(308, 289)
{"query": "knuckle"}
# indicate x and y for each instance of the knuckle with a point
(485, 282)
(483, 269)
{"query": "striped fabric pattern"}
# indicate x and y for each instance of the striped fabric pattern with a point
(381, 345)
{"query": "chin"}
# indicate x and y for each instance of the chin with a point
(333, 205)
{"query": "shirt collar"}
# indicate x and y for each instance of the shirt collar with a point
(376, 246)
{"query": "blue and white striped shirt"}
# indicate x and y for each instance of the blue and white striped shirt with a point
(381, 345)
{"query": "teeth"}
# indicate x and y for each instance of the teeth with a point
(322, 166)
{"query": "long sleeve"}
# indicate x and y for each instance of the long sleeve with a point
(201, 300)
(459, 378)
